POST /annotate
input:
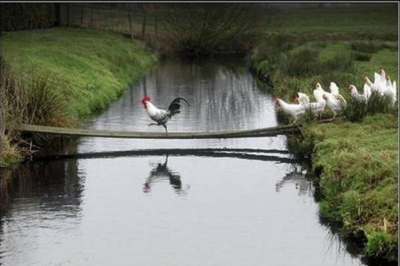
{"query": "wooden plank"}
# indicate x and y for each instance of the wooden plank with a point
(262, 132)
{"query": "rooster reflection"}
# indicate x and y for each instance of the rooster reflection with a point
(162, 172)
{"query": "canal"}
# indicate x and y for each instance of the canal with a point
(171, 209)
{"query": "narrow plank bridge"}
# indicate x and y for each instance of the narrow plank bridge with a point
(253, 133)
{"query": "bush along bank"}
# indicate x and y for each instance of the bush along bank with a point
(355, 158)
(59, 76)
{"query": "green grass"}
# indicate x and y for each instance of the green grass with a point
(60, 76)
(88, 68)
(336, 22)
(359, 182)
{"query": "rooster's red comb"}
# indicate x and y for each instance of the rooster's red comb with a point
(146, 99)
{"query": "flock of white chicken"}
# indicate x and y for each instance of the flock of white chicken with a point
(334, 101)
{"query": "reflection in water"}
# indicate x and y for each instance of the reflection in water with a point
(298, 178)
(57, 180)
(34, 199)
(160, 173)
(336, 245)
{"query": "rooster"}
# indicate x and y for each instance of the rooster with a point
(162, 116)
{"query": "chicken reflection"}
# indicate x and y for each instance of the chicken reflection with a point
(300, 180)
(161, 173)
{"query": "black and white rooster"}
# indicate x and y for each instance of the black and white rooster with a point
(162, 116)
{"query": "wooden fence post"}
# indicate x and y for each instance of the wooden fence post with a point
(156, 22)
(82, 15)
(130, 24)
(69, 15)
(91, 17)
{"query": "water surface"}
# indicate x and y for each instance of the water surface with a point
(170, 209)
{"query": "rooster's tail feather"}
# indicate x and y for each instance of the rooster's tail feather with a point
(174, 107)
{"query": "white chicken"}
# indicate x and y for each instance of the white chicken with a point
(319, 92)
(377, 86)
(390, 90)
(332, 103)
(162, 116)
(382, 75)
(335, 92)
(294, 110)
(316, 108)
(356, 96)
(334, 89)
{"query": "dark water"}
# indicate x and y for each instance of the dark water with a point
(131, 209)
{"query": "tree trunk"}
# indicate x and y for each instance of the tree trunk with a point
(144, 23)
(156, 23)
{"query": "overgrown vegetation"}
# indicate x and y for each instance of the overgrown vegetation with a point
(29, 100)
(60, 76)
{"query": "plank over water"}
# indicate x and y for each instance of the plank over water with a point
(253, 133)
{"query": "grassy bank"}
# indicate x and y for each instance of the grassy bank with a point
(357, 177)
(355, 158)
(73, 72)
(360, 188)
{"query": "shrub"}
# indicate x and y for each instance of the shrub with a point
(300, 64)
(197, 29)
(366, 46)
(361, 56)
(343, 63)
(357, 110)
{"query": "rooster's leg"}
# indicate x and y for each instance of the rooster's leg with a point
(153, 124)
(165, 126)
